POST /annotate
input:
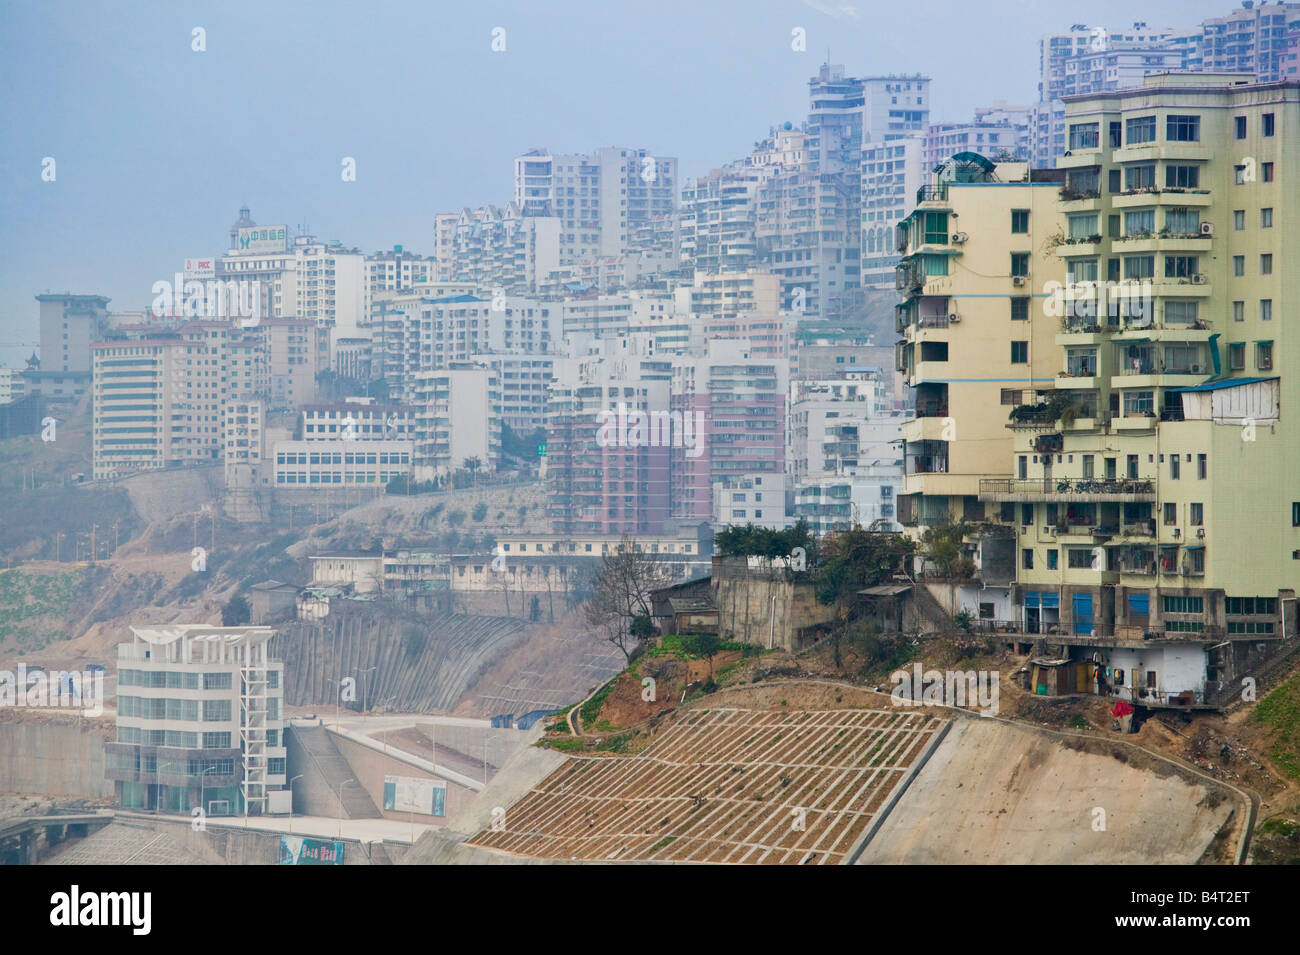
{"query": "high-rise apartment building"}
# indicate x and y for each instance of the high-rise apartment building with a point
(601, 199)
(1153, 493)
(975, 256)
(498, 248)
(69, 325)
(457, 418)
(1147, 494)
(734, 402)
(602, 476)
(895, 125)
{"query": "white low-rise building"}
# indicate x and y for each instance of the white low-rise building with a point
(200, 721)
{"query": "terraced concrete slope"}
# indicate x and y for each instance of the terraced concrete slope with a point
(420, 664)
(996, 794)
(726, 784)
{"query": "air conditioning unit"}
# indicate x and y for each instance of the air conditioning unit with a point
(958, 238)
(1018, 280)
(954, 318)
(1198, 278)
(1200, 532)
(1207, 228)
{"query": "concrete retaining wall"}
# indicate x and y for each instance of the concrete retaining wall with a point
(56, 757)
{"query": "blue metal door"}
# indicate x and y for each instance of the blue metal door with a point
(1083, 613)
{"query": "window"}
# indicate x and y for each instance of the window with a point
(1182, 129)
(1180, 266)
(1202, 466)
(1142, 222)
(1238, 219)
(1238, 265)
(1188, 605)
(1250, 606)
(1019, 220)
(1115, 138)
(1139, 177)
(1019, 353)
(1267, 124)
(1237, 356)
(1264, 355)
(936, 228)
(1027, 558)
(1171, 513)
(1239, 126)
(1295, 513)
(1239, 174)
(1266, 171)
(1088, 466)
(1265, 265)
(1053, 558)
(1196, 514)
(1238, 311)
(1020, 264)
(1080, 270)
(1265, 309)
(1081, 226)
(1114, 178)
(1182, 177)
(1078, 558)
(1175, 467)
(1135, 403)
(1084, 136)
(1183, 221)
(1140, 130)
(1139, 266)
(1020, 309)
(1180, 311)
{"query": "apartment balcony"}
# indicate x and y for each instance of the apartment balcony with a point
(1160, 242)
(1064, 490)
(1189, 286)
(935, 193)
(928, 429)
(1140, 199)
(1156, 151)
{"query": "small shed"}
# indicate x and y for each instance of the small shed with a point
(1050, 676)
(884, 604)
(693, 615)
(271, 600)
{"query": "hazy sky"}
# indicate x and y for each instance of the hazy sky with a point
(156, 146)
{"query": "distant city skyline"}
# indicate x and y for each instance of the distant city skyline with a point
(156, 145)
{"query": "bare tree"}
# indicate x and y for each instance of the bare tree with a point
(620, 592)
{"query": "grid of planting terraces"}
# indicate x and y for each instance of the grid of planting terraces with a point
(724, 786)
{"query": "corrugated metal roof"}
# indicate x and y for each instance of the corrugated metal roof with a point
(1225, 383)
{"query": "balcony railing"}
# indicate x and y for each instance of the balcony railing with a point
(937, 193)
(1064, 487)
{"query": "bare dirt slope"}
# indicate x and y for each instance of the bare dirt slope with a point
(994, 793)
